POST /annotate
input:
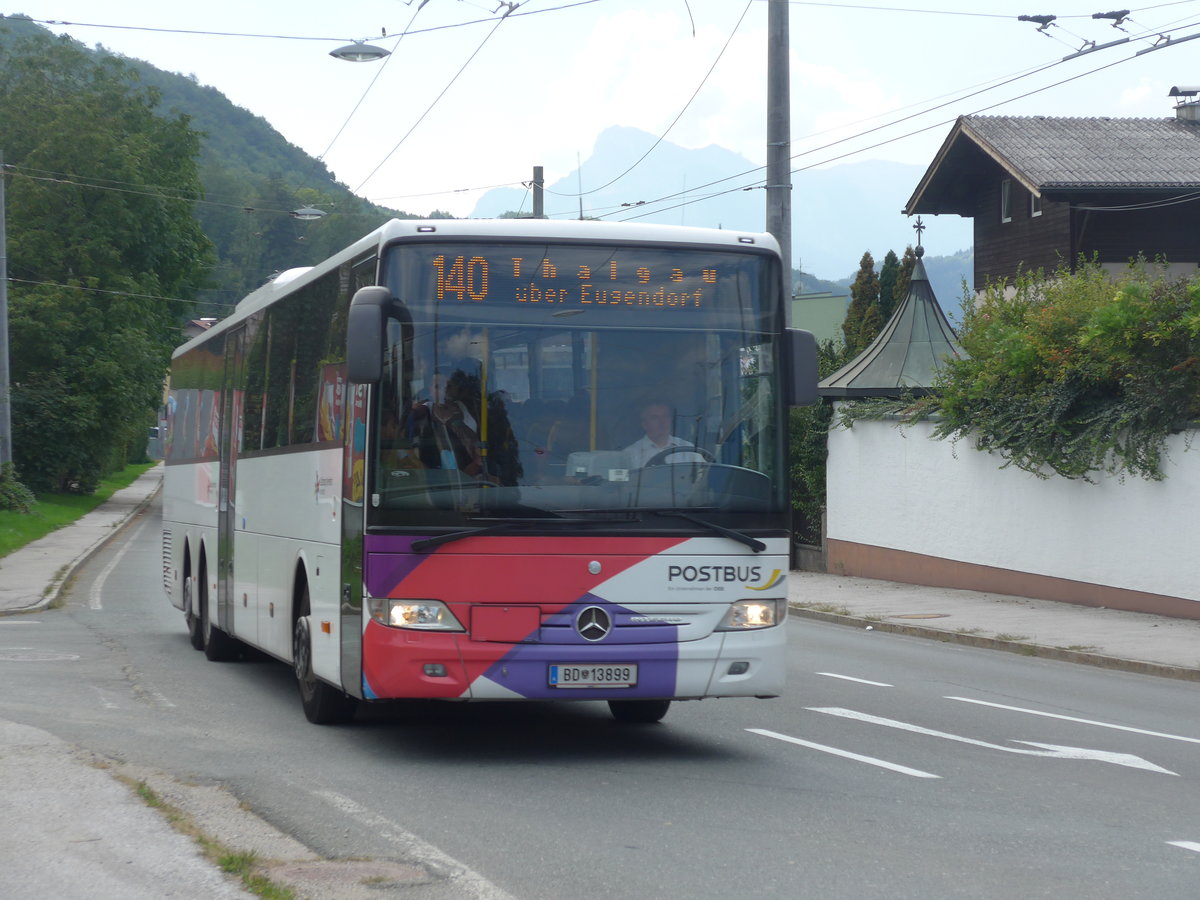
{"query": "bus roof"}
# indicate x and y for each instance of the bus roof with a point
(496, 229)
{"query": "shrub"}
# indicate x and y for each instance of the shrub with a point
(1077, 373)
(14, 495)
(808, 432)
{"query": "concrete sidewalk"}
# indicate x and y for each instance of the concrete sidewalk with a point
(1115, 639)
(32, 577)
(71, 829)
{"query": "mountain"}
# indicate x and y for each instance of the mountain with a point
(253, 179)
(837, 212)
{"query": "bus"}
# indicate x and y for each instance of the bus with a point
(495, 460)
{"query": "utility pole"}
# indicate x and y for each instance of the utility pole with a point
(6, 455)
(539, 183)
(779, 135)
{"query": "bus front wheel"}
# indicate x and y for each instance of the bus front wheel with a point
(639, 712)
(323, 704)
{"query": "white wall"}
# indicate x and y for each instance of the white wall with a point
(895, 487)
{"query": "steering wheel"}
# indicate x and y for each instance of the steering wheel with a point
(660, 458)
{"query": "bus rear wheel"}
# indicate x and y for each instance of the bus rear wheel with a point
(195, 632)
(639, 712)
(218, 646)
(323, 703)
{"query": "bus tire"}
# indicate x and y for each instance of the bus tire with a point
(639, 712)
(323, 703)
(195, 632)
(218, 646)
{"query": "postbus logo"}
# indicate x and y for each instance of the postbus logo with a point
(751, 578)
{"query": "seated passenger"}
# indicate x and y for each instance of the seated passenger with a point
(445, 430)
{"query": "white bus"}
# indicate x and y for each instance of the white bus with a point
(495, 460)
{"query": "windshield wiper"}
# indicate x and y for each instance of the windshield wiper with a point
(753, 543)
(497, 526)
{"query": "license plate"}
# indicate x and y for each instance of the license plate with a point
(568, 675)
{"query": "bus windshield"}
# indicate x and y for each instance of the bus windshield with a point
(532, 380)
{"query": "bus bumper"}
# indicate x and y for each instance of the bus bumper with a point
(724, 664)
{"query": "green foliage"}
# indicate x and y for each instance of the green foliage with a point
(889, 273)
(863, 318)
(904, 276)
(89, 336)
(1075, 373)
(52, 511)
(14, 496)
(808, 431)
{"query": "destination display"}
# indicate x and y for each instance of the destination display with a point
(534, 280)
(513, 283)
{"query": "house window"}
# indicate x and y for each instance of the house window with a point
(1006, 200)
(1035, 205)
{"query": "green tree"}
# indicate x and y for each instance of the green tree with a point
(808, 434)
(888, 273)
(861, 325)
(904, 276)
(100, 230)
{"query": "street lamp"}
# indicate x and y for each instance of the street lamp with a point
(360, 51)
(307, 213)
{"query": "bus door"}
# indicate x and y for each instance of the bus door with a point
(227, 444)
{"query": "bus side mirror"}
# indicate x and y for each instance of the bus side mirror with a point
(366, 329)
(802, 367)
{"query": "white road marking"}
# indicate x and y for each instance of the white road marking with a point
(472, 882)
(1034, 712)
(94, 594)
(104, 701)
(869, 760)
(1186, 845)
(157, 698)
(858, 680)
(1048, 750)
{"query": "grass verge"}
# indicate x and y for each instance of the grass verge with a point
(53, 511)
(240, 864)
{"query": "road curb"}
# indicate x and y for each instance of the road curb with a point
(62, 578)
(1024, 648)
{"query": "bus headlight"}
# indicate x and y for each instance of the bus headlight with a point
(427, 615)
(745, 615)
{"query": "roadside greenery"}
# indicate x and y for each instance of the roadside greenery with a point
(49, 512)
(1073, 373)
(100, 231)
(13, 494)
(874, 297)
(808, 432)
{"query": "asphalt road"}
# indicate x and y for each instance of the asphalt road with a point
(894, 767)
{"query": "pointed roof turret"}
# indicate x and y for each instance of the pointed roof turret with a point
(905, 356)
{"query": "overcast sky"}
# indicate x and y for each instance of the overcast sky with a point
(470, 100)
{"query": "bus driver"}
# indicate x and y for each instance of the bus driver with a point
(656, 421)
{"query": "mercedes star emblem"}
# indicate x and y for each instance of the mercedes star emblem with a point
(593, 624)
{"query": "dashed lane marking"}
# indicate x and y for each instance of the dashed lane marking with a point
(1034, 712)
(856, 680)
(846, 754)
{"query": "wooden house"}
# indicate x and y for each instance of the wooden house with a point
(1044, 191)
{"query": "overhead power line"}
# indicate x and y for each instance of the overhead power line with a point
(77, 287)
(435, 102)
(758, 183)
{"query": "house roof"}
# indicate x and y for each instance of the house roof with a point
(906, 355)
(1061, 156)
